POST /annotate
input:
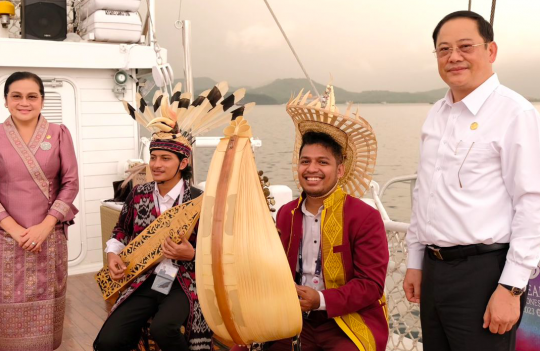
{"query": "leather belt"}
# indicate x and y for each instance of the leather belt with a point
(456, 252)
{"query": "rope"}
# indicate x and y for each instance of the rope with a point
(292, 49)
(493, 3)
(157, 48)
(492, 17)
(178, 22)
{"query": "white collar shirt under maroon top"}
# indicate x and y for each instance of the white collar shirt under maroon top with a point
(493, 135)
(311, 245)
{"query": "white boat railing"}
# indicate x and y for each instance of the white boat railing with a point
(404, 317)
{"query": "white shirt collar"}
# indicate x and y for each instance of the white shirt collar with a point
(307, 213)
(478, 97)
(173, 193)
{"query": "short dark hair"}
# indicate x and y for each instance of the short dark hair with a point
(312, 138)
(22, 76)
(484, 28)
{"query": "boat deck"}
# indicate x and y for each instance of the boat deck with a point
(85, 313)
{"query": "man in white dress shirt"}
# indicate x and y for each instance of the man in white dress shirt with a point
(474, 236)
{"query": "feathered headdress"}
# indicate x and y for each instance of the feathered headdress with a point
(175, 122)
(350, 131)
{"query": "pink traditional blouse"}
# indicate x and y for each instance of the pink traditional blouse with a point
(38, 178)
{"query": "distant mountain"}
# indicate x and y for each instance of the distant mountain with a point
(279, 91)
(203, 83)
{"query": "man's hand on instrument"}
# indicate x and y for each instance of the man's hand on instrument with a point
(309, 298)
(182, 252)
(116, 266)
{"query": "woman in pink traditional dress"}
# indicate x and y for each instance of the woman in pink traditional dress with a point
(38, 183)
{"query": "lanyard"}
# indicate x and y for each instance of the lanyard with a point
(158, 205)
(318, 263)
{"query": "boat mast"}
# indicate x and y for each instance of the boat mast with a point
(185, 27)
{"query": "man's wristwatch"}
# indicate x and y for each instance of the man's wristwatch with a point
(513, 290)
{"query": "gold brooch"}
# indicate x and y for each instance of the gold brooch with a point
(474, 126)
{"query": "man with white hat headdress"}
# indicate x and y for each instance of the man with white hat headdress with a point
(335, 243)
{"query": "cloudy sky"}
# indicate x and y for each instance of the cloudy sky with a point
(364, 44)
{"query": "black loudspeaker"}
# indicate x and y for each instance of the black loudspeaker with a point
(44, 19)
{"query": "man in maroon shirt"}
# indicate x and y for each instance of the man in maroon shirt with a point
(337, 250)
(335, 243)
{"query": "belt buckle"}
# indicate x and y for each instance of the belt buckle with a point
(436, 252)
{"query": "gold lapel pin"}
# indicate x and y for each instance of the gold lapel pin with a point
(48, 136)
(474, 126)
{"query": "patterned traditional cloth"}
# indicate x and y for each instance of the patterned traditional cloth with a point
(354, 260)
(138, 213)
(32, 302)
(37, 179)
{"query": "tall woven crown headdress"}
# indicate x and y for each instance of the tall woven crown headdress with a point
(350, 131)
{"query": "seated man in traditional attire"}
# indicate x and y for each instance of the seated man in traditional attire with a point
(176, 319)
(171, 311)
(335, 243)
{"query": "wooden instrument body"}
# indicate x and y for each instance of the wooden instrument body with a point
(255, 282)
(145, 250)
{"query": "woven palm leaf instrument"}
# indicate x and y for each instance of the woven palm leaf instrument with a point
(244, 283)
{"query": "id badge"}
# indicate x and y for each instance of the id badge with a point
(165, 276)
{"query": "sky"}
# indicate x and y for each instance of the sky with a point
(362, 44)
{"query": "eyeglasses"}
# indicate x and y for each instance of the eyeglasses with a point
(468, 152)
(30, 97)
(461, 49)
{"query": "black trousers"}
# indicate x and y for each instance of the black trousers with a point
(122, 330)
(453, 300)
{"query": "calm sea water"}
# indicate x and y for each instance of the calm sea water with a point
(397, 128)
